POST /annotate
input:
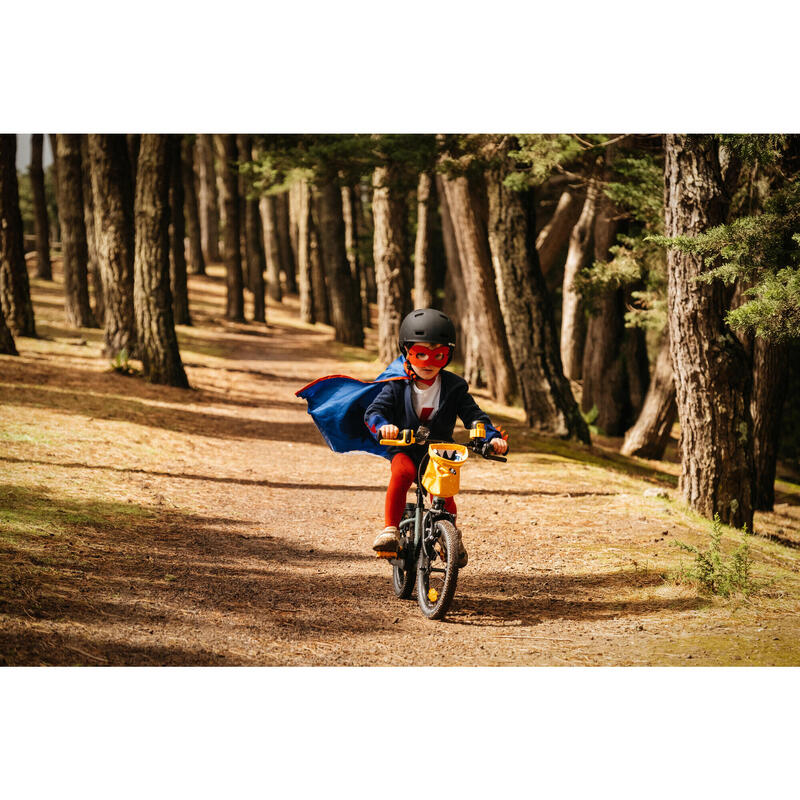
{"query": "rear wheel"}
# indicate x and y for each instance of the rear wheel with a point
(403, 577)
(437, 571)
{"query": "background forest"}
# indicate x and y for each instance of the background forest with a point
(611, 285)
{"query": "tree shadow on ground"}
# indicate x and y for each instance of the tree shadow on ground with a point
(108, 574)
(500, 598)
(140, 412)
(239, 481)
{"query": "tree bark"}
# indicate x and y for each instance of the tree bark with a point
(287, 261)
(197, 263)
(481, 291)
(349, 208)
(91, 233)
(557, 233)
(7, 346)
(522, 293)
(269, 218)
(345, 302)
(649, 437)
(573, 325)
(73, 232)
(227, 155)
(44, 269)
(615, 366)
(305, 277)
(113, 222)
(15, 290)
(207, 198)
(177, 233)
(256, 262)
(423, 279)
(712, 375)
(158, 343)
(392, 270)
(770, 380)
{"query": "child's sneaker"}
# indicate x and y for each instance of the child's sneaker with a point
(388, 540)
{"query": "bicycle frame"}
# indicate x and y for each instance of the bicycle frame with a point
(433, 513)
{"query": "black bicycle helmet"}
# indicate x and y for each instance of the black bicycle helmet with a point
(427, 325)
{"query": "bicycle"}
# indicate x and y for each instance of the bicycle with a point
(428, 533)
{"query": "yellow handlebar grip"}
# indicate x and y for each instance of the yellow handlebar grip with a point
(406, 438)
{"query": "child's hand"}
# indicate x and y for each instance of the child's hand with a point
(499, 445)
(391, 432)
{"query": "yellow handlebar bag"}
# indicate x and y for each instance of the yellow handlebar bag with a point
(441, 476)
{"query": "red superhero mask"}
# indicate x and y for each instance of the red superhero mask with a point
(420, 355)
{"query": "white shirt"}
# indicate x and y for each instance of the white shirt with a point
(425, 399)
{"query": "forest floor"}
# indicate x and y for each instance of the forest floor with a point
(149, 525)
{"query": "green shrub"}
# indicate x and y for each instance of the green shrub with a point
(716, 573)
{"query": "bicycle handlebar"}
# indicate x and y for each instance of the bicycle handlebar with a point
(408, 437)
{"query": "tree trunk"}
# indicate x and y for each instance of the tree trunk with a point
(455, 296)
(41, 225)
(284, 241)
(345, 302)
(207, 198)
(73, 232)
(269, 218)
(294, 214)
(615, 366)
(546, 394)
(392, 270)
(256, 262)
(91, 233)
(481, 291)
(712, 375)
(229, 200)
(15, 290)
(197, 263)
(365, 231)
(770, 380)
(554, 236)
(303, 209)
(322, 310)
(7, 346)
(573, 324)
(177, 234)
(113, 222)
(350, 210)
(649, 437)
(423, 279)
(158, 343)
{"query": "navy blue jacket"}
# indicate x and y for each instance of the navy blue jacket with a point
(393, 406)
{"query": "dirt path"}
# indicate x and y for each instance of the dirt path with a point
(147, 525)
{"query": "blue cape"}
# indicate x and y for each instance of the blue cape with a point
(337, 405)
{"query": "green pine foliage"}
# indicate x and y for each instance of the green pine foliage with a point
(637, 191)
(714, 572)
(763, 251)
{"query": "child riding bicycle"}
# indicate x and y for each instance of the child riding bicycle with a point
(432, 397)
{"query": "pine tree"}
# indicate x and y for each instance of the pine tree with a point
(158, 343)
(15, 292)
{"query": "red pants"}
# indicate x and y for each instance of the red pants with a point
(404, 473)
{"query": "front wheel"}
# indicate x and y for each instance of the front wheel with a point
(437, 571)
